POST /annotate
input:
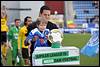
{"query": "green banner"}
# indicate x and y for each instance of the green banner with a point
(60, 59)
(54, 54)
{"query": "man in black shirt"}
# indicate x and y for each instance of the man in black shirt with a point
(44, 12)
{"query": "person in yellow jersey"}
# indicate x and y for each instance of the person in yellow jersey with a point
(4, 30)
(21, 38)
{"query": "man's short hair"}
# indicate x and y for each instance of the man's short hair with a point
(26, 19)
(17, 20)
(44, 8)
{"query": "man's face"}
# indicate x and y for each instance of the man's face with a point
(46, 14)
(29, 21)
(17, 22)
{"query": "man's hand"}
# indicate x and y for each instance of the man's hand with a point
(29, 50)
(29, 42)
(19, 51)
(11, 48)
(20, 54)
(9, 45)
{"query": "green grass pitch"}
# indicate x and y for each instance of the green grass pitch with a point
(77, 40)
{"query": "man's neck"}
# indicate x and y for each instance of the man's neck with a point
(17, 27)
(26, 25)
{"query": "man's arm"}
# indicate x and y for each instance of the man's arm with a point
(19, 38)
(10, 36)
(51, 26)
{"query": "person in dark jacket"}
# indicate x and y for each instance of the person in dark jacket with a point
(45, 12)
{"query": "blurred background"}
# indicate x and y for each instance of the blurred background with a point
(66, 14)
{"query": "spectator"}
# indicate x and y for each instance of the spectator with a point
(96, 20)
(86, 11)
(95, 4)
